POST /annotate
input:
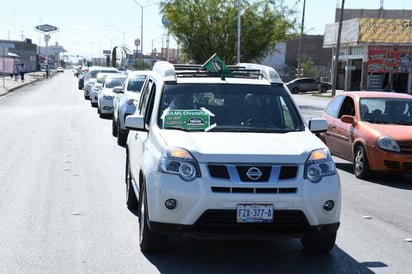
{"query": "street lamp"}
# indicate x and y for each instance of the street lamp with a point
(141, 30)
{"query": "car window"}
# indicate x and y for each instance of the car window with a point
(348, 107)
(114, 82)
(387, 110)
(334, 106)
(135, 83)
(228, 108)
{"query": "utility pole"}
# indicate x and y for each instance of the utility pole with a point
(335, 69)
(299, 70)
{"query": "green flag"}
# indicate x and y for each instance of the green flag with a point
(215, 65)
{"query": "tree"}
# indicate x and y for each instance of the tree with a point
(205, 27)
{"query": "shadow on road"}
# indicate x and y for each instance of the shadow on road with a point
(275, 256)
(396, 180)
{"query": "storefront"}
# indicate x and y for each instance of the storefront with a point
(376, 54)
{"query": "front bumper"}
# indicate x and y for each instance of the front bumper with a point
(208, 206)
(222, 224)
(386, 161)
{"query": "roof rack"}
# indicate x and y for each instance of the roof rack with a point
(242, 70)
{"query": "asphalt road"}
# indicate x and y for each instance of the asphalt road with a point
(62, 203)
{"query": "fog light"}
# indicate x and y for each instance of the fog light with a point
(328, 205)
(170, 203)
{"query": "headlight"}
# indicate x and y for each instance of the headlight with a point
(179, 162)
(318, 165)
(387, 143)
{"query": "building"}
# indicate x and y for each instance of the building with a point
(52, 54)
(22, 52)
(284, 58)
(375, 49)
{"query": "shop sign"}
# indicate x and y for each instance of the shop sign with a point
(385, 59)
(379, 30)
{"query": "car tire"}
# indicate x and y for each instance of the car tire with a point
(131, 200)
(295, 90)
(360, 163)
(149, 240)
(321, 243)
(121, 136)
(114, 128)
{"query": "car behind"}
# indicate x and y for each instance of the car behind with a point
(373, 130)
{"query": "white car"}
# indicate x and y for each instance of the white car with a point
(124, 104)
(89, 78)
(228, 154)
(97, 87)
(106, 95)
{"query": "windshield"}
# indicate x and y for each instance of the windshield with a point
(114, 82)
(135, 83)
(386, 110)
(240, 108)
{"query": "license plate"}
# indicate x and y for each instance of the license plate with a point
(254, 213)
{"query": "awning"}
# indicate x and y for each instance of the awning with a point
(13, 55)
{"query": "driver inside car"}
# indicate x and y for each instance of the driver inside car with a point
(252, 110)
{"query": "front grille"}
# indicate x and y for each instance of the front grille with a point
(252, 190)
(407, 165)
(392, 164)
(406, 147)
(225, 220)
(269, 173)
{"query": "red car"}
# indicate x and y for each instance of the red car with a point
(373, 130)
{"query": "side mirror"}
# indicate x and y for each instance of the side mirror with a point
(135, 122)
(317, 125)
(348, 119)
(118, 90)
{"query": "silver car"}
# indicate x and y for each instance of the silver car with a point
(106, 95)
(124, 103)
(89, 78)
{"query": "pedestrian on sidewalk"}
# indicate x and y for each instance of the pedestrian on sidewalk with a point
(16, 72)
(22, 71)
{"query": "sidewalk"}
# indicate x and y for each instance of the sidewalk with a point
(8, 84)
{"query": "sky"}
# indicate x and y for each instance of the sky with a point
(87, 27)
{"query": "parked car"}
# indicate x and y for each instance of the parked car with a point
(227, 154)
(307, 84)
(106, 95)
(82, 73)
(373, 130)
(97, 87)
(90, 77)
(124, 104)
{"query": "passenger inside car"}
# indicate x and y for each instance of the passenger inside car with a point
(252, 109)
(182, 101)
(347, 107)
(396, 110)
(364, 112)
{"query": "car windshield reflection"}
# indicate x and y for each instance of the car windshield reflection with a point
(231, 108)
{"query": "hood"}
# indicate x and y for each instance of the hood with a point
(132, 95)
(230, 147)
(397, 132)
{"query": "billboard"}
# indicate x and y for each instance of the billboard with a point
(385, 59)
(378, 30)
(370, 30)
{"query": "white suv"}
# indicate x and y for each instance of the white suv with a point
(228, 154)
